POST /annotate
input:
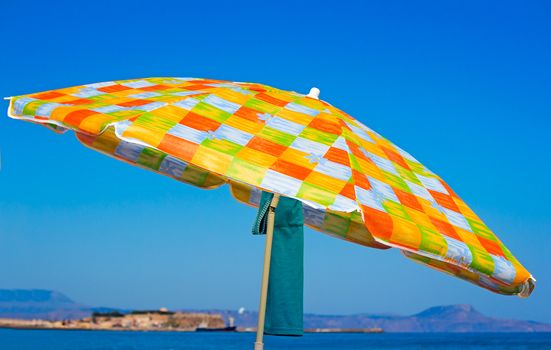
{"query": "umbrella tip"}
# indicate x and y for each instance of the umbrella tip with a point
(527, 287)
(314, 93)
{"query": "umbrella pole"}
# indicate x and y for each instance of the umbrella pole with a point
(259, 345)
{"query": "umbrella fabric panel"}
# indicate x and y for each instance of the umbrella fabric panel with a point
(150, 158)
(343, 225)
(285, 142)
(523, 290)
(350, 227)
(422, 214)
(248, 132)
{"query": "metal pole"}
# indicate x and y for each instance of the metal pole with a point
(259, 345)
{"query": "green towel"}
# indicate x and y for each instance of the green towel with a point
(284, 306)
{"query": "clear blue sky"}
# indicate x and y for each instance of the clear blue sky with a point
(464, 86)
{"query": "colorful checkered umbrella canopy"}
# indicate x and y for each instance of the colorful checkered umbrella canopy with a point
(355, 184)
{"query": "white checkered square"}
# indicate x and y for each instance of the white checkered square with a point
(285, 125)
(20, 103)
(503, 269)
(340, 143)
(145, 94)
(383, 190)
(368, 198)
(150, 106)
(457, 219)
(109, 109)
(187, 133)
(458, 251)
(221, 103)
(360, 132)
(313, 217)
(343, 203)
(187, 103)
(336, 170)
(278, 182)
(137, 84)
(381, 162)
(255, 196)
(100, 85)
(87, 92)
(129, 151)
(295, 107)
(419, 191)
(309, 146)
(232, 134)
(432, 183)
(173, 167)
(46, 109)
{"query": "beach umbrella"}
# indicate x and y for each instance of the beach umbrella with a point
(354, 184)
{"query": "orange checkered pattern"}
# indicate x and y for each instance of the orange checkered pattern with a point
(354, 183)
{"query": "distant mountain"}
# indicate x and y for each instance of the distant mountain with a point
(51, 305)
(33, 295)
(452, 318)
(41, 304)
(464, 318)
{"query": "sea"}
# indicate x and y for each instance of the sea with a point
(11, 339)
